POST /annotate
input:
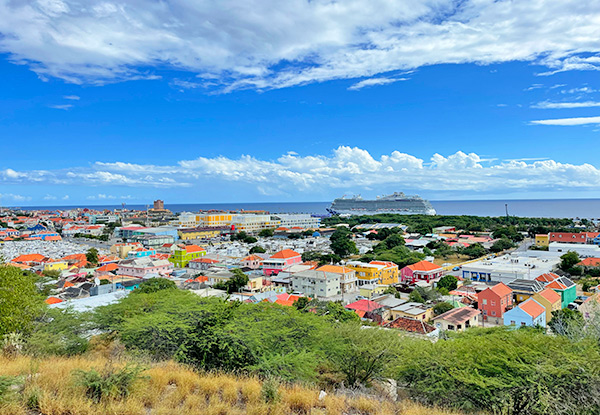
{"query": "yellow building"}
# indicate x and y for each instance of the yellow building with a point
(372, 290)
(200, 233)
(550, 300)
(214, 219)
(255, 283)
(542, 240)
(375, 272)
(254, 223)
(123, 249)
(413, 310)
(56, 266)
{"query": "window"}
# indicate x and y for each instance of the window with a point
(450, 327)
(484, 301)
(523, 323)
(512, 322)
(493, 313)
(493, 303)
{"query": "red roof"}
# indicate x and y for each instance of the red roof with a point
(287, 299)
(53, 300)
(532, 307)
(252, 258)
(108, 267)
(29, 258)
(547, 277)
(205, 260)
(364, 305)
(285, 254)
(424, 266)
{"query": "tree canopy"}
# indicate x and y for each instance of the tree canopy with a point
(20, 300)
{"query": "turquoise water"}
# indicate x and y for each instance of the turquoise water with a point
(560, 208)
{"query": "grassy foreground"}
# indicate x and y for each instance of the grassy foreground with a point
(50, 386)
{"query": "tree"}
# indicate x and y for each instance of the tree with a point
(441, 308)
(92, 256)
(257, 249)
(448, 282)
(341, 244)
(394, 240)
(153, 285)
(568, 261)
(474, 251)
(301, 303)
(236, 282)
(266, 233)
(20, 301)
(567, 322)
(415, 296)
(443, 250)
(501, 244)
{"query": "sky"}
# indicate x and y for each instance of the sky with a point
(251, 101)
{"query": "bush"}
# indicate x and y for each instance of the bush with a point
(270, 391)
(110, 383)
(153, 285)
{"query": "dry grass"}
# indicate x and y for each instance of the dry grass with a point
(48, 387)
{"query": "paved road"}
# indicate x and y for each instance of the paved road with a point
(524, 246)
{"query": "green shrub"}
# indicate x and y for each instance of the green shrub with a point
(270, 390)
(110, 383)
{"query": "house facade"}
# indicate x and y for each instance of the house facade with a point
(182, 256)
(280, 260)
(142, 267)
(550, 300)
(494, 301)
(529, 313)
(375, 272)
(314, 283)
(420, 271)
(457, 319)
(348, 280)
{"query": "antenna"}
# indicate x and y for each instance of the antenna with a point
(506, 208)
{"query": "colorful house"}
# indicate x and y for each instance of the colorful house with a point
(524, 289)
(140, 252)
(529, 313)
(457, 319)
(413, 310)
(143, 267)
(375, 272)
(361, 307)
(202, 233)
(542, 239)
(550, 300)
(252, 261)
(280, 260)
(568, 237)
(493, 302)
(348, 280)
(589, 263)
(181, 256)
(566, 288)
(420, 271)
(56, 266)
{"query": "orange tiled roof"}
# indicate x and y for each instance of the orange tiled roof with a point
(252, 258)
(555, 285)
(193, 248)
(532, 307)
(338, 269)
(550, 295)
(53, 300)
(424, 266)
(285, 254)
(108, 267)
(547, 277)
(590, 262)
(29, 258)
(501, 289)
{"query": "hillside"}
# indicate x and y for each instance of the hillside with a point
(54, 386)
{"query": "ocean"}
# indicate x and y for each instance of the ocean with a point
(550, 208)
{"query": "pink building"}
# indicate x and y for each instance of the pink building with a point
(494, 302)
(279, 261)
(420, 271)
(252, 261)
(142, 267)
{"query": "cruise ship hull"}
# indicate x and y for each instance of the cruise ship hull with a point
(398, 203)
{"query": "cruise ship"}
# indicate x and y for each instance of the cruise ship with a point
(397, 203)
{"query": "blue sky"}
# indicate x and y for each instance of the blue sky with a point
(191, 101)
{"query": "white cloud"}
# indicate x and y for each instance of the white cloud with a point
(273, 44)
(345, 169)
(66, 197)
(563, 105)
(374, 82)
(62, 107)
(14, 197)
(569, 121)
(72, 97)
(50, 197)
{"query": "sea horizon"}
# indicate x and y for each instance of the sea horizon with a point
(559, 208)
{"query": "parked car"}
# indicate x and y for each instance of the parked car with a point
(455, 268)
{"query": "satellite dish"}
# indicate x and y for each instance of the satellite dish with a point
(97, 281)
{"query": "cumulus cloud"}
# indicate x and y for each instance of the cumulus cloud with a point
(274, 44)
(569, 121)
(14, 197)
(344, 169)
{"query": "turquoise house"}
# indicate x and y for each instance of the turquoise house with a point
(528, 313)
(566, 288)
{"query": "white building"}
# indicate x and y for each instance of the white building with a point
(302, 220)
(510, 267)
(583, 250)
(254, 223)
(317, 283)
